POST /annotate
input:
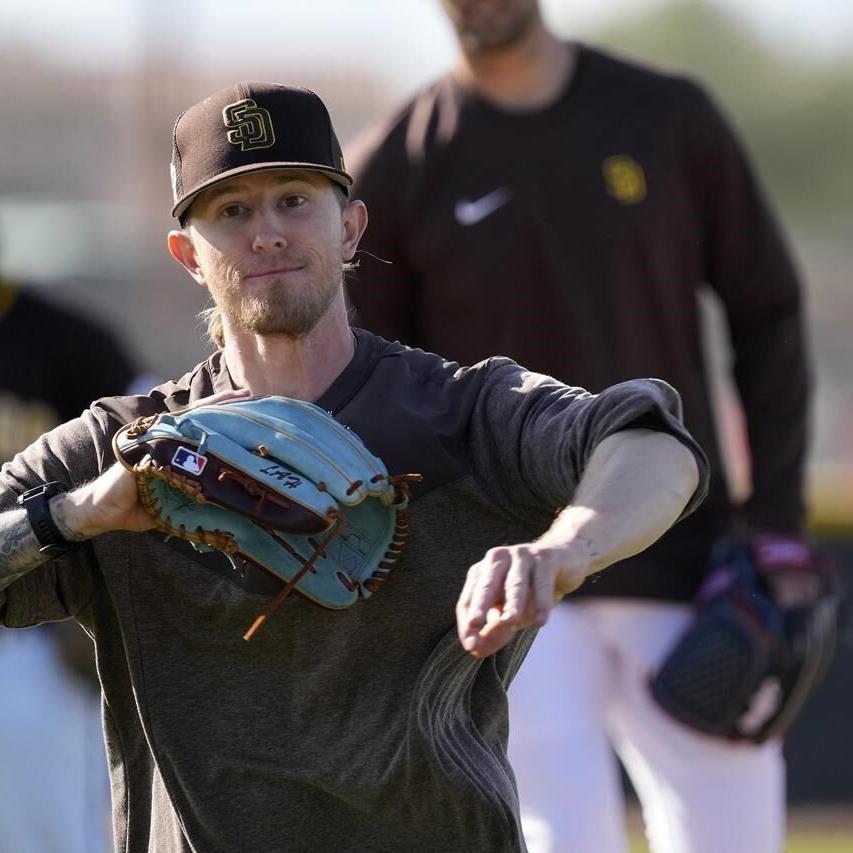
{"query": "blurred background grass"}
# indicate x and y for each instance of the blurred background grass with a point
(810, 830)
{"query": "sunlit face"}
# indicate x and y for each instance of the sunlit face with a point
(269, 247)
(485, 25)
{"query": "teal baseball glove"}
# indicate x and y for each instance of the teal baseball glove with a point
(279, 483)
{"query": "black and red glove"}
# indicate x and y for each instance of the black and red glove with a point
(763, 635)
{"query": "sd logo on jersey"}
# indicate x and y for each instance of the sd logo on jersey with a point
(187, 460)
(625, 179)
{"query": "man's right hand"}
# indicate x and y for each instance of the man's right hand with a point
(111, 502)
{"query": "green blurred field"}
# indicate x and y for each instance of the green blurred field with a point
(810, 830)
(809, 843)
(805, 842)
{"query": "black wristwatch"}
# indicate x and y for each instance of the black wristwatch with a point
(35, 502)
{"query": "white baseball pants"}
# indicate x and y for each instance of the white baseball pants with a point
(581, 694)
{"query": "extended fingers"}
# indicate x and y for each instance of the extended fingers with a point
(501, 624)
(510, 588)
(483, 591)
(542, 586)
(517, 586)
(529, 586)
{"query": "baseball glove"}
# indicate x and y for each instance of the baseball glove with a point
(763, 634)
(276, 482)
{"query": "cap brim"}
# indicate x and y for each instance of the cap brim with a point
(339, 177)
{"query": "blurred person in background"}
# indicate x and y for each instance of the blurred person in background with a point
(559, 205)
(54, 787)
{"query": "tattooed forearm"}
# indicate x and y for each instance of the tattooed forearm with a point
(19, 548)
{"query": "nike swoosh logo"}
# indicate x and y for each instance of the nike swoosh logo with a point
(471, 212)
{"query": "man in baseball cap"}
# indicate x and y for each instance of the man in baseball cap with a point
(280, 138)
(382, 725)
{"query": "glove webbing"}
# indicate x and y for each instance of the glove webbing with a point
(337, 528)
(395, 547)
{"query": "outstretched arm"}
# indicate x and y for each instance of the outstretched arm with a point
(636, 485)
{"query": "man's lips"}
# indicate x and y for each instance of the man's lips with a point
(273, 271)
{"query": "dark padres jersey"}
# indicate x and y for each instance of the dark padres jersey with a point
(574, 239)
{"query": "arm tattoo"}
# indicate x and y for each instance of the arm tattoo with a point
(19, 548)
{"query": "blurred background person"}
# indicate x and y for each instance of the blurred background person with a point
(54, 788)
(557, 204)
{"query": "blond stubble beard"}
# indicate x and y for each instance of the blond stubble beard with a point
(279, 310)
(281, 313)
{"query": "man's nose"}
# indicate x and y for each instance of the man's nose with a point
(269, 232)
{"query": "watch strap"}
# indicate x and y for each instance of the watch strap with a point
(36, 502)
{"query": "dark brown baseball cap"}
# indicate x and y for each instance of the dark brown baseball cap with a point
(249, 127)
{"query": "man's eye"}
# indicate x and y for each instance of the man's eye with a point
(231, 210)
(293, 201)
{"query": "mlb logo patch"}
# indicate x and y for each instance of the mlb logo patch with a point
(187, 460)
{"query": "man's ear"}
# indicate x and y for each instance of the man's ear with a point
(354, 221)
(181, 248)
